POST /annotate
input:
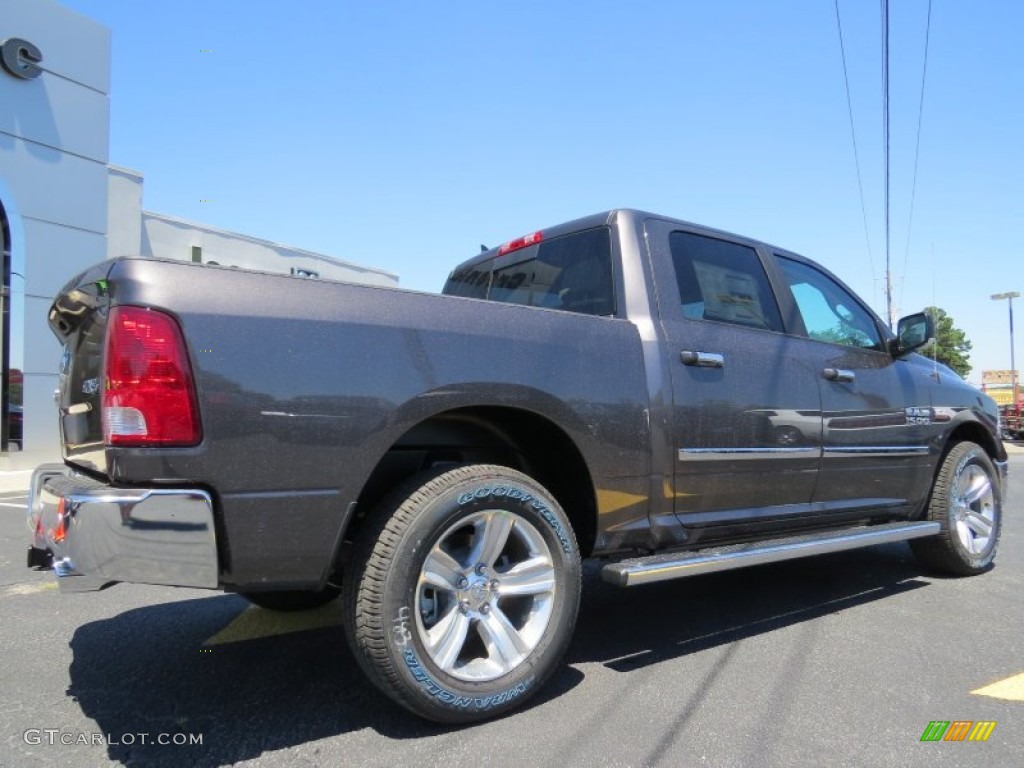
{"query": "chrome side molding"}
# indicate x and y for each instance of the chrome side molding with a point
(748, 454)
(876, 450)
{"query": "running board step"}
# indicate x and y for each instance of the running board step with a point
(677, 565)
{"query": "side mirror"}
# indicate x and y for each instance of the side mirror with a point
(912, 332)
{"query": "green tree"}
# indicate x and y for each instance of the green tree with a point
(951, 345)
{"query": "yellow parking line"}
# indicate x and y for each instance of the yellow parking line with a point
(28, 588)
(255, 622)
(613, 501)
(1011, 689)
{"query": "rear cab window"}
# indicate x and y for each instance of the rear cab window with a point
(471, 282)
(572, 273)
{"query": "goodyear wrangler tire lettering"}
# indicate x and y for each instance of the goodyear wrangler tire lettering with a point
(482, 493)
(516, 494)
(462, 592)
(454, 699)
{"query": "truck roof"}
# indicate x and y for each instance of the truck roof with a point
(607, 218)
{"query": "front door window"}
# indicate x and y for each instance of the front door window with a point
(829, 312)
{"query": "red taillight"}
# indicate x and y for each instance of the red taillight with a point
(521, 242)
(148, 392)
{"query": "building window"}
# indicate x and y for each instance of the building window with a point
(197, 254)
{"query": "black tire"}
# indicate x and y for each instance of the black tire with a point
(786, 435)
(438, 636)
(292, 599)
(966, 501)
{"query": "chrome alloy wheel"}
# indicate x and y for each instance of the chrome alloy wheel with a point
(485, 595)
(973, 508)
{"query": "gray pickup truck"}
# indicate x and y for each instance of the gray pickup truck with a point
(662, 397)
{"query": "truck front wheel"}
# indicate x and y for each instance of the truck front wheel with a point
(463, 592)
(966, 502)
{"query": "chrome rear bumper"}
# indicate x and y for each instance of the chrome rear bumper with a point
(93, 534)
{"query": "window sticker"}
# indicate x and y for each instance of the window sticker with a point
(729, 295)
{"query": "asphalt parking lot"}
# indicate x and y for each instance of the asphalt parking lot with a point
(837, 660)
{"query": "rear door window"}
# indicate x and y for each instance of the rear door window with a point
(723, 281)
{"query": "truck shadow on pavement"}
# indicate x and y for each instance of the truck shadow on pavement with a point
(671, 619)
(149, 671)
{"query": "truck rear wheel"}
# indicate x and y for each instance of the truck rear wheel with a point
(966, 501)
(463, 592)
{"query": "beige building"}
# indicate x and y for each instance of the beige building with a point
(134, 231)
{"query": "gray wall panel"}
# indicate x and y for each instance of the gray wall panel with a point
(124, 213)
(53, 186)
(58, 253)
(42, 435)
(56, 113)
(42, 351)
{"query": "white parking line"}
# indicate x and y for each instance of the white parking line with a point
(16, 506)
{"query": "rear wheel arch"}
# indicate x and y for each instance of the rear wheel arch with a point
(513, 437)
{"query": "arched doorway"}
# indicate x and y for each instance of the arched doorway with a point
(11, 380)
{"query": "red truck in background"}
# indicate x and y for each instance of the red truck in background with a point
(1012, 420)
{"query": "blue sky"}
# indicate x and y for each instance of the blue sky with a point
(405, 134)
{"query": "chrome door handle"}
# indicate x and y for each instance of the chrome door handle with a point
(838, 374)
(702, 359)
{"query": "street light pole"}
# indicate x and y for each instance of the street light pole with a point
(1013, 363)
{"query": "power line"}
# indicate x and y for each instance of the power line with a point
(853, 136)
(917, 144)
(885, 132)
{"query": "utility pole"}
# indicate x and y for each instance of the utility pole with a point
(1013, 362)
(885, 131)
